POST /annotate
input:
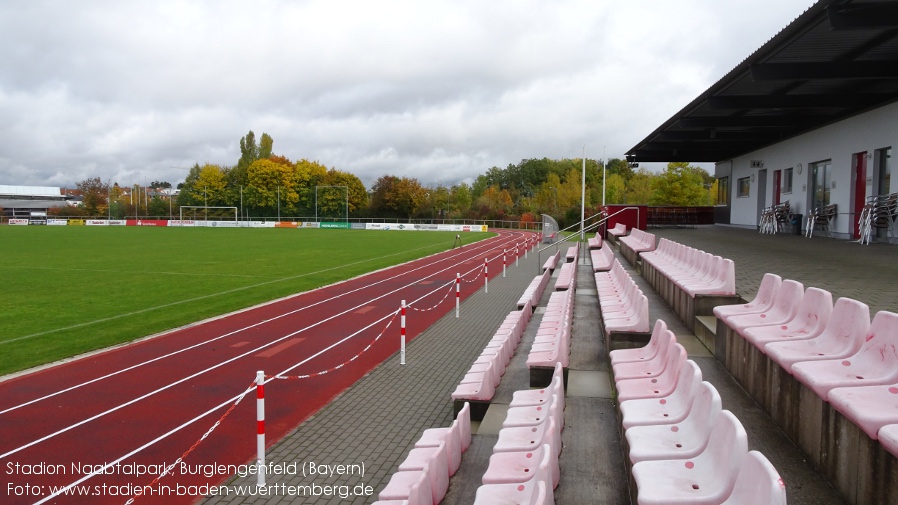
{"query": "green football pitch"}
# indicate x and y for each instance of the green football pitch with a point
(69, 290)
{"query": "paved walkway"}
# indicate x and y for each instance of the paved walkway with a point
(375, 422)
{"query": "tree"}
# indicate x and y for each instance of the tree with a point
(211, 187)
(680, 184)
(639, 188)
(95, 195)
(265, 145)
(332, 200)
(615, 189)
(460, 199)
(271, 187)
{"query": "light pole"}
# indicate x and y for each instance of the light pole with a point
(583, 195)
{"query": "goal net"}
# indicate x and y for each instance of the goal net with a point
(203, 213)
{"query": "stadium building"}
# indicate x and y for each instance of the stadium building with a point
(31, 202)
(804, 126)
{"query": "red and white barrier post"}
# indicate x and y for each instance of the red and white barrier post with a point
(486, 276)
(526, 247)
(457, 293)
(260, 427)
(402, 334)
(504, 252)
(517, 255)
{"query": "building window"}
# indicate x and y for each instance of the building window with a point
(787, 181)
(723, 191)
(743, 188)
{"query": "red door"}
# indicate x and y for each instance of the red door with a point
(777, 185)
(860, 190)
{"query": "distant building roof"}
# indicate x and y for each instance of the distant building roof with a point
(30, 191)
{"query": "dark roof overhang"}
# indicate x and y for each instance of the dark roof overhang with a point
(838, 59)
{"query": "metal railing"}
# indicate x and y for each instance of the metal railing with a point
(591, 227)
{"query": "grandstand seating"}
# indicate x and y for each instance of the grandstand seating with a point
(423, 477)
(535, 290)
(636, 243)
(624, 308)
(566, 275)
(614, 234)
(552, 262)
(595, 242)
(602, 259)
(479, 384)
(552, 343)
(691, 281)
(670, 409)
(572, 252)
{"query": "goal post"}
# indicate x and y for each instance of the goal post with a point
(204, 213)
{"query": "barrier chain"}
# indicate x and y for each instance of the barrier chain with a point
(341, 365)
(196, 444)
(437, 304)
(479, 271)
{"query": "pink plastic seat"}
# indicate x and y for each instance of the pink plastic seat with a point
(532, 492)
(876, 362)
(529, 438)
(641, 353)
(708, 478)
(529, 397)
(684, 439)
(432, 437)
(782, 310)
(758, 482)
(533, 415)
(519, 466)
(636, 319)
(770, 284)
(482, 389)
(669, 409)
(655, 387)
(413, 486)
(888, 437)
(602, 259)
(868, 407)
(842, 337)
(652, 367)
(433, 461)
(810, 319)
(722, 281)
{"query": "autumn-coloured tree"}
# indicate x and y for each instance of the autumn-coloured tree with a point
(95, 195)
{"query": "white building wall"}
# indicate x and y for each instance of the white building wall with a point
(838, 142)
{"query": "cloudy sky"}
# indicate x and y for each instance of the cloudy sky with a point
(439, 90)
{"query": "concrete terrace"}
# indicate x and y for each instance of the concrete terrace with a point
(376, 422)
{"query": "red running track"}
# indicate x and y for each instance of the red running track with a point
(149, 402)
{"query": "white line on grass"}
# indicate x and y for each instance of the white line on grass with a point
(199, 298)
(218, 365)
(234, 332)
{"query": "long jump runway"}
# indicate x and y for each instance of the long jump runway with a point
(100, 428)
